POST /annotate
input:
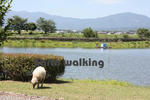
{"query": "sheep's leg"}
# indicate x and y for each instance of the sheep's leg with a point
(38, 85)
(42, 83)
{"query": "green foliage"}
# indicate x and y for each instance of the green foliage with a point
(31, 26)
(37, 33)
(125, 36)
(143, 33)
(20, 66)
(46, 25)
(4, 7)
(18, 24)
(89, 33)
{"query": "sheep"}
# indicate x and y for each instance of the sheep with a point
(38, 76)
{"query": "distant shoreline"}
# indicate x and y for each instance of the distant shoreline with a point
(31, 43)
(79, 39)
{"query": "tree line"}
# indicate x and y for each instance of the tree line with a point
(18, 24)
(142, 33)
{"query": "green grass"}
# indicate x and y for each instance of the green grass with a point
(67, 35)
(74, 44)
(81, 90)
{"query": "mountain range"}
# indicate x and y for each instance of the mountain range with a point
(120, 22)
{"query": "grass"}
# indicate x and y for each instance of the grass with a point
(67, 35)
(74, 44)
(81, 90)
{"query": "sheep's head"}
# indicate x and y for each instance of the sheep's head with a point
(34, 81)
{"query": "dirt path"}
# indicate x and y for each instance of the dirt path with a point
(17, 96)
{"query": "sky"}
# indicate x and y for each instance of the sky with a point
(83, 8)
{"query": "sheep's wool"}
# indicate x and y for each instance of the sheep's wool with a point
(39, 73)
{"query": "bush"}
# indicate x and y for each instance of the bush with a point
(19, 67)
(89, 33)
(143, 33)
(125, 36)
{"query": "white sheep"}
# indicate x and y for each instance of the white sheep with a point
(38, 76)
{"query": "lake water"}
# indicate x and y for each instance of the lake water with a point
(131, 65)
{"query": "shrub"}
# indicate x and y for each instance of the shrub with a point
(19, 67)
(89, 33)
(143, 33)
(125, 36)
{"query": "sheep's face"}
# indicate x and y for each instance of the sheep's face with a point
(34, 81)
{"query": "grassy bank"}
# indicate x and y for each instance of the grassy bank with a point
(81, 90)
(74, 44)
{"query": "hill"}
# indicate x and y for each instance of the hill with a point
(121, 21)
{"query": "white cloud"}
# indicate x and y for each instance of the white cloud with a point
(109, 1)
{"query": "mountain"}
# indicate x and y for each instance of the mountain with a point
(122, 21)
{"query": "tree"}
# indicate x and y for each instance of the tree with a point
(46, 25)
(143, 33)
(18, 24)
(31, 26)
(125, 36)
(4, 7)
(88, 32)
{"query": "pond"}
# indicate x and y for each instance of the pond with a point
(131, 65)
